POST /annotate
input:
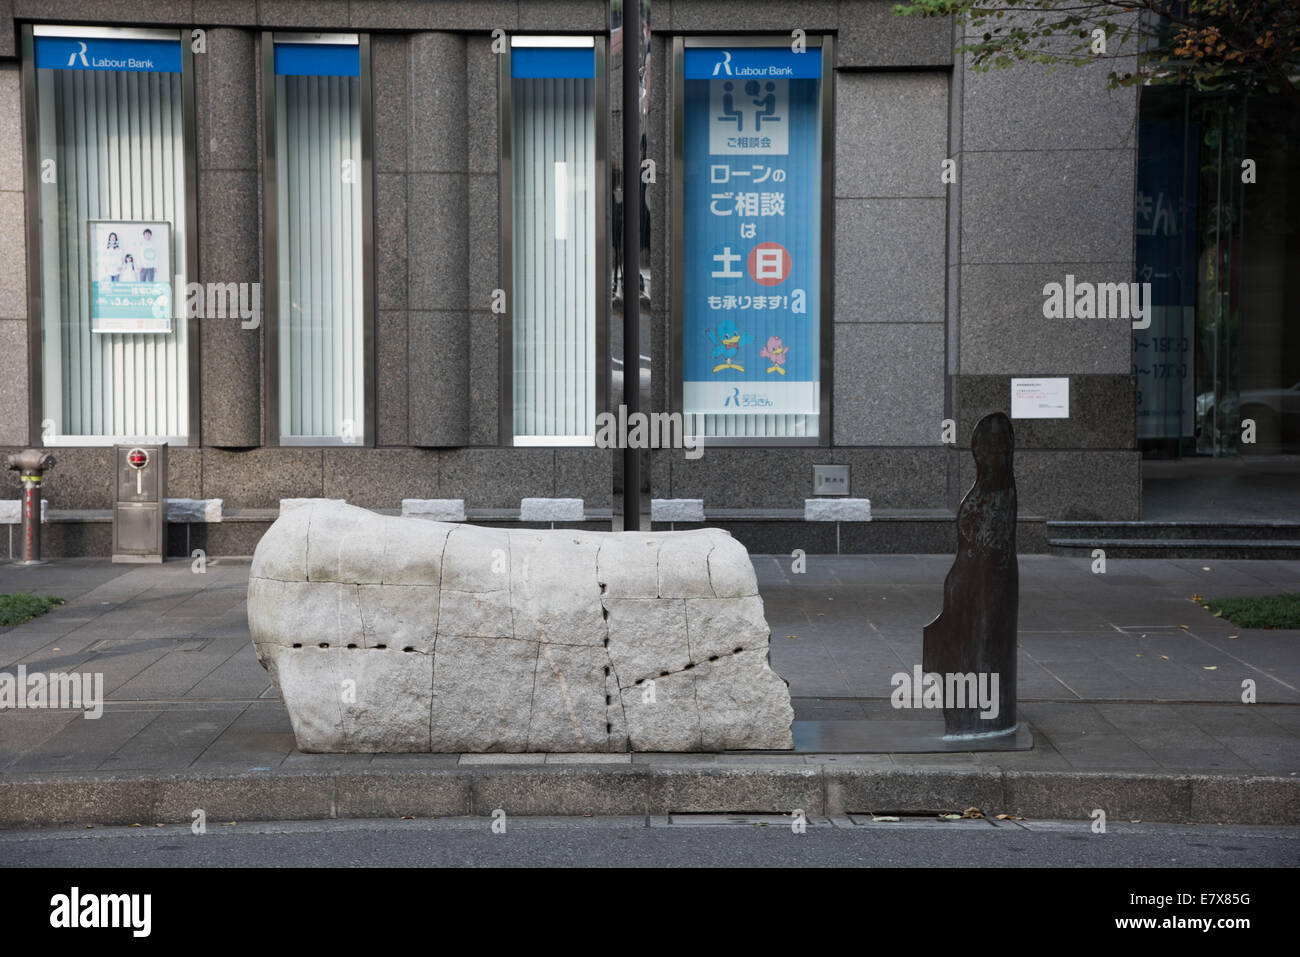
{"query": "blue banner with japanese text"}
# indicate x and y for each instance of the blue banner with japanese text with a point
(752, 231)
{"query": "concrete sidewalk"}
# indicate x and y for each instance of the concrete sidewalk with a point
(1133, 693)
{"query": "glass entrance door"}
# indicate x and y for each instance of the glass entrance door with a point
(1216, 227)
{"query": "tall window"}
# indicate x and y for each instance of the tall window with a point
(321, 199)
(556, 199)
(112, 183)
(750, 122)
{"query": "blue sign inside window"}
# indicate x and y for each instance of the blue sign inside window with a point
(317, 59)
(765, 63)
(103, 53)
(752, 233)
(533, 63)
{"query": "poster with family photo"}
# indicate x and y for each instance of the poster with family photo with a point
(130, 278)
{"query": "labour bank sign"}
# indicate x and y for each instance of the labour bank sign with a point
(130, 55)
(751, 236)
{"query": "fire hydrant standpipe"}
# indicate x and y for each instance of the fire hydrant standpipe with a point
(31, 464)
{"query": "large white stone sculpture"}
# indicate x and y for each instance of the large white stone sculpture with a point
(398, 634)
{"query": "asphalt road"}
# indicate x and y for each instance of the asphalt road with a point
(760, 841)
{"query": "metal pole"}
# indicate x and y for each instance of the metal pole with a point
(31, 520)
(631, 253)
(30, 466)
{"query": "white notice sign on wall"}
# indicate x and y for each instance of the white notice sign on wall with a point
(1040, 398)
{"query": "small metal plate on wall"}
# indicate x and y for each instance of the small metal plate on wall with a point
(830, 480)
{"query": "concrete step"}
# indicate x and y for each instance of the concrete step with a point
(761, 785)
(1177, 539)
(1200, 531)
(1186, 547)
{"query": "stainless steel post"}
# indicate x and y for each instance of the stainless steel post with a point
(31, 465)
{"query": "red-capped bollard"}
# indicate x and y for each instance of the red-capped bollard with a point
(31, 464)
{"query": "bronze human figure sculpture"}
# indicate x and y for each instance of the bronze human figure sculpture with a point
(975, 634)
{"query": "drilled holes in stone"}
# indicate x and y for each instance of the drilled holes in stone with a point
(738, 650)
(353, 647)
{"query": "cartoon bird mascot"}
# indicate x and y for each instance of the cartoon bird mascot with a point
(727, 341)
(777, 352)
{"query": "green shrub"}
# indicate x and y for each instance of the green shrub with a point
(1268, 611)
(16, 609)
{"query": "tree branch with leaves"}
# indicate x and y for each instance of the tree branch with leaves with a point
(1238, 45)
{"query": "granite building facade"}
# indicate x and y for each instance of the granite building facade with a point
(931, 292)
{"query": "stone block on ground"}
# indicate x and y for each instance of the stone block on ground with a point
(551, 510)
(194, 509)
(837, 509)
(677, 510)
(412, 634)
(435, 509)
(11, 511)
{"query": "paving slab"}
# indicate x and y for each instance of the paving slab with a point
(1123, 678)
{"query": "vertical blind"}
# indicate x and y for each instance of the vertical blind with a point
(320, 315)
(773, 426)
(117, 139)
(554, 250)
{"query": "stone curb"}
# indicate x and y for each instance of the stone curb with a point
(30, 800)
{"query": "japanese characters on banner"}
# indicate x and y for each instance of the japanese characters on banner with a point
(752, 231)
